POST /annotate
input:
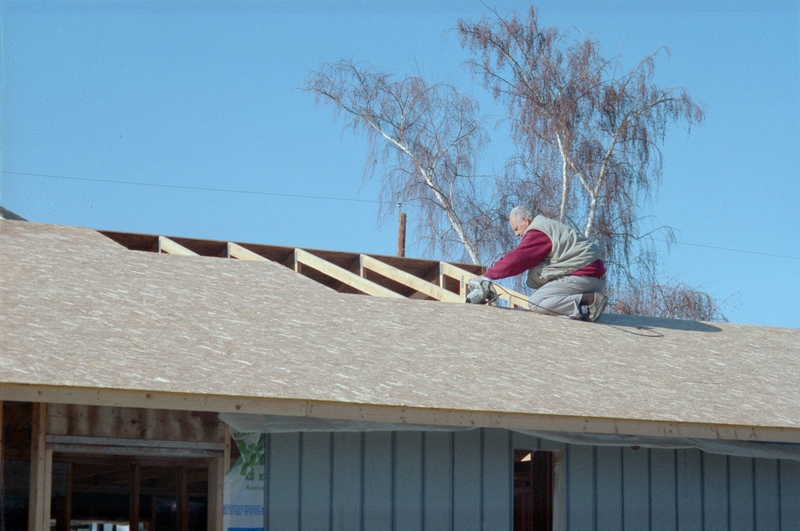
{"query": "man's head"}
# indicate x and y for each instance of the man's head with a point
(520, 217)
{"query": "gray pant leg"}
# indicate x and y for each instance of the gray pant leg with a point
(562, 296)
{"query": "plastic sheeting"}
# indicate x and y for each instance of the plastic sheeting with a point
(284, 424)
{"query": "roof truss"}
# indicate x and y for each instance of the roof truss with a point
(379, 276)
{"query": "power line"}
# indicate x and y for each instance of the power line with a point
(326, 198)
(200, 188)
(730, 249)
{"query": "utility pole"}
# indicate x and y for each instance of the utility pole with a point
(401, 231)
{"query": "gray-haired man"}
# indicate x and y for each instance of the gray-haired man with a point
(564, 268)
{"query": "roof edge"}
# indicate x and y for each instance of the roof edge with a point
(392, 414)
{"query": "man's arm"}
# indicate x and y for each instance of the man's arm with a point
(534, 247)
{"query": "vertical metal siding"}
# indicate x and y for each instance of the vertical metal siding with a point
(467, 481)
(715, 491)
(315, 480)
(609, 488)
(346, 496)
(690, 490)
(767, 494)
(283, 511)
(389, 481)
(378, 480)
(498, 480)
(657, 489)
(580, 485)
(408, 508)
(790, 495)
(663, 490)
(741, 512)
(438, 500)
(439, 481)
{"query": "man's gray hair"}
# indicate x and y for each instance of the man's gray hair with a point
(519, 212)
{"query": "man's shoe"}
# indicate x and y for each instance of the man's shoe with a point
(597, 307)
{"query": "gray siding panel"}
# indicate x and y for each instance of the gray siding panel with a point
(690, 490)
(636, 488)
(468, 480)
(715, 491)
(347, 500)
(498, 480)
(444, 481)
(790, 495)
(663, 490)
(408, 481)
(283, 511)
(378, 481)
(580, 487)
(609, 488)
(438, 499)
(742, 496)
(315, 481)
(767, 494)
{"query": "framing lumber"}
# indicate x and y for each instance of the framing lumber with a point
(165, 245)
(133, 507)
(64, 504)
(216, 487)
(463, 276)
(137, 451)
(41, 471)
(395, 413)
(407, 279)
(515, 299)
(148, 443)
(237, 251)
(182, 510)
(2, 456)
(343, 275)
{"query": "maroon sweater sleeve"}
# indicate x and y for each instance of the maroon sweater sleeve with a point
(534, 247)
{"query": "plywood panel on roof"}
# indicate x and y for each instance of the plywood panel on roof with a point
(81, 312)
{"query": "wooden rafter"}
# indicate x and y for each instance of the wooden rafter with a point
(237, 251)
(342, 275)
(165, 245)
(515, 299)
(407, 279)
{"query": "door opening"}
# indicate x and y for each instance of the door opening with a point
(533, 490)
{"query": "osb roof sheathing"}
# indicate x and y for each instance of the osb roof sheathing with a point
(85, 320)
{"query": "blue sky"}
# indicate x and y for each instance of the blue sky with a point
(187, 95)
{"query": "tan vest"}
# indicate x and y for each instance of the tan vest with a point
(570, 252)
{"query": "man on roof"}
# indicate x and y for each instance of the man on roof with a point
(564, 268)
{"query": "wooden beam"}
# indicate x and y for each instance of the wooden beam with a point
(237, 251)
(395, 413)
(182, 509)
(292, 263)
(64, 511)
(407, 279)
(165, 245)
(133, 506)
(2, 455)
(514, 298)
(463, 276)
(226, 453)
(216, 487)
(41, 471)
(343, 275)
(118, 441)
(133, 451)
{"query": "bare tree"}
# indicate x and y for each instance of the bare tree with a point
(672, 299)
(428, 135)
(588, 134)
